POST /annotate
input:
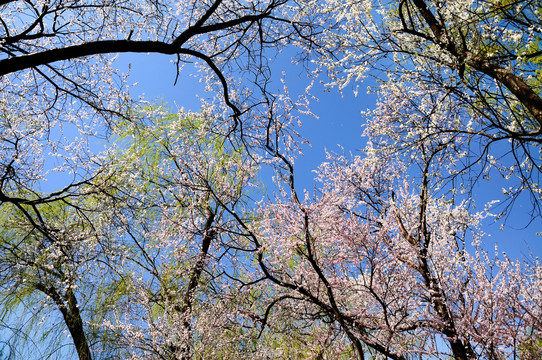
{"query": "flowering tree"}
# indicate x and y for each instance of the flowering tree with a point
(142, 249)
(481, 58)
(389, 253)
(61, 91)
(151, 246)
(390, 263)
(61, 95)
(173, 178)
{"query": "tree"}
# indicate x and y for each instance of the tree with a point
(157, 245)
(174, 175)
(49, 252)
(142, 249)
(61, 94)
(389, 263)
(385, 256)
(55, 63)
(481, 59)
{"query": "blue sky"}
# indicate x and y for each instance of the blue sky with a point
(339, 122)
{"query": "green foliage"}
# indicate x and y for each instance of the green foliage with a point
(531, 349)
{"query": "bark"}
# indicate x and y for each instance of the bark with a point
(515, 84)
(183, 351)
(524, 93)
(72, 318)
(27, 61)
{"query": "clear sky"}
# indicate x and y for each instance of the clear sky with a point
(339, 122)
